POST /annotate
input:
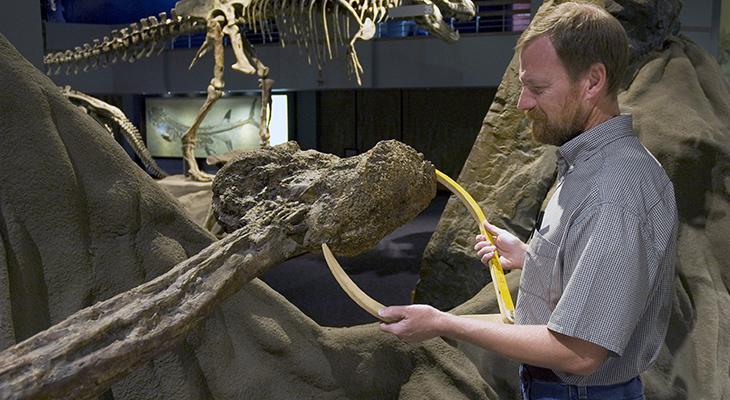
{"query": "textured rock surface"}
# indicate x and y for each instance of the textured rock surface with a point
(681, 108)
(350, 203)
(80, 223)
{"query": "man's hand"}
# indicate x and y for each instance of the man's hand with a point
(415, 323)
(511, 249)
(531, 344)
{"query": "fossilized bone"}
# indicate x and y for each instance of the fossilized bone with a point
(105, 113)
(315, 25)
(290, 201)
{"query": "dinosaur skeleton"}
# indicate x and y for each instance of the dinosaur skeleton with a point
(317, 26)
(105, 113)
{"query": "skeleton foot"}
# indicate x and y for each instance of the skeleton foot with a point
(264, 135)
(243, 62)
(246, 69)
(192, 171)
(197, 175)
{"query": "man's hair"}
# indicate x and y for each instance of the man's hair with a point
(583, 34)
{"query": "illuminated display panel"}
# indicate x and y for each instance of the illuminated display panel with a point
(231, 124)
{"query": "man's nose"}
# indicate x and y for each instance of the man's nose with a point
(526, 101)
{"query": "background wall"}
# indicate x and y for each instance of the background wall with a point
(20, 23)
(725, 39)
(440, 123)
(700, 22)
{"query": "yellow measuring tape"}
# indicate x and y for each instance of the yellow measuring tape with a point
(504, 298)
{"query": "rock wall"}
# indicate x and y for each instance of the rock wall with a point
(681, 106)
(79, 222)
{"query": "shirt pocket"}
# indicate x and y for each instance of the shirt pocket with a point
(538, 269)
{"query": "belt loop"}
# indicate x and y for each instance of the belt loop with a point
(582, 392)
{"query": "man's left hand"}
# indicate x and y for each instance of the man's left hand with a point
(415, 323)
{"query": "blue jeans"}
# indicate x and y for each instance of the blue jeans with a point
(536, 389)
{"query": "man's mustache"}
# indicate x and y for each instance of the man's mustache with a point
(535, 115)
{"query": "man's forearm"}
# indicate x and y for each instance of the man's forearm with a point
(530, 344)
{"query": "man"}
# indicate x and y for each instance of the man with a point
(597, 275)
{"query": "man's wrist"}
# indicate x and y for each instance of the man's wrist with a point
(524, 254)
(442, 323)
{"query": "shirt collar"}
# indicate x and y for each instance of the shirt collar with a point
(595, 138)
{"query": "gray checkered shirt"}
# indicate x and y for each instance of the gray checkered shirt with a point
(601, 265)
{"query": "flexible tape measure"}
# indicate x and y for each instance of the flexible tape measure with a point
(504, 298)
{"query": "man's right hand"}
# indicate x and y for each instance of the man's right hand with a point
(511, 249)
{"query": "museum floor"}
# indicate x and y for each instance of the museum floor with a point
(388, 273)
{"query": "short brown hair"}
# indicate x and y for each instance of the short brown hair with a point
(583, 34)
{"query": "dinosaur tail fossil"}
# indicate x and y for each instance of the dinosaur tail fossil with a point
(134, 138)
(106, 113)
(140, 39)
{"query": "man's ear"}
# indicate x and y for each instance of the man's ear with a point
(596, 79)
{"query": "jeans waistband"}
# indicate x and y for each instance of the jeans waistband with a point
(535, 383)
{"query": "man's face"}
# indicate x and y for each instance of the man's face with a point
(549, 97)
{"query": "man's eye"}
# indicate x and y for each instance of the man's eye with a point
(537, 90)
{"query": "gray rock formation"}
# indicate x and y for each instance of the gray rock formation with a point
(80, 223)
(681, 108)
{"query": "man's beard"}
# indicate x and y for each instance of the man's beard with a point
(558, 132)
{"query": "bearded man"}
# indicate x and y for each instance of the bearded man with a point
(597, 275)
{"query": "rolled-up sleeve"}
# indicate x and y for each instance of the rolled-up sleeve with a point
(607, 260)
